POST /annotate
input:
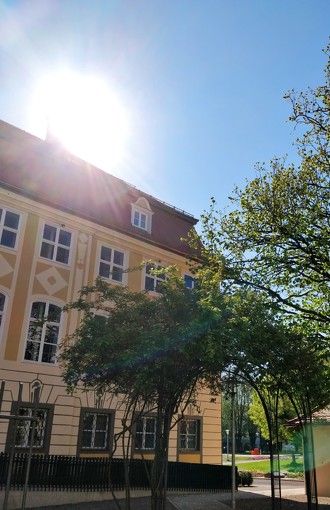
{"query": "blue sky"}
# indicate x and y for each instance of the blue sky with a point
(202, 80)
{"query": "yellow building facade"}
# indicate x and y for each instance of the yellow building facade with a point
(64, 223)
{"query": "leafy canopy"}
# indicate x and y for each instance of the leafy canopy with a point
(276, 239)
(128, 342)
(285, 411)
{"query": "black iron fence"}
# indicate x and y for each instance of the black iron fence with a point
(56, 472)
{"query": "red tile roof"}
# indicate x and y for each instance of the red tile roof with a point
(49, 174)
(322, 416)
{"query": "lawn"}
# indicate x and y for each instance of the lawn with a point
(261, 467)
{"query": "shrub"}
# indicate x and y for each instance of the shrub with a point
(245, 478)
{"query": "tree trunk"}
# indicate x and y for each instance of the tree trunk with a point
(159, 464)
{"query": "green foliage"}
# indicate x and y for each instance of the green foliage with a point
(270, 256)
(285, 411)
(128, 342)
(276, 270)
(275, 361)
(276, 239)
(245, 428)
(262, 347)
(245, 478)
(153, 351)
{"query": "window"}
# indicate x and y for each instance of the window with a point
(189, 434)
(43, 332)
(9, 223)
(145, 433)
(24, 427)
(141, 214)
(95, 430)
(154, 281)
(56, 244)
(189, 281)
(2, 307)
(111, 264)
(140, 219)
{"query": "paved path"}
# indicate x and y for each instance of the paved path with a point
(176, 501)
(222, 500)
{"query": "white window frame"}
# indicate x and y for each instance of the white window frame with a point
(107, 432)
(24, 428)
(141, 209)
(113, 266)
(187, 435)
(145, 433)
(157, 279)
(42, 328)
(189, 278)
(5, 228)
(56, 244)
(42, 431)
(140, 219)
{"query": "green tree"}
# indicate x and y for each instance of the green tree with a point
(276, 239)
(275, 242)
(275, 361)
(245, 428)
(285, 411)
(154, 351)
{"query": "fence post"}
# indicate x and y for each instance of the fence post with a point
(12, 449)
(36, 395)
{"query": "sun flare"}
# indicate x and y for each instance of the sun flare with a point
(85, 116)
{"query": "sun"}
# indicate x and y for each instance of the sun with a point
(86, 116)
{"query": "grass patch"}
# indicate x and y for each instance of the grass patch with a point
(261, 467)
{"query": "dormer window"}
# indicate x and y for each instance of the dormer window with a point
(140, 220)
(142, 215)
